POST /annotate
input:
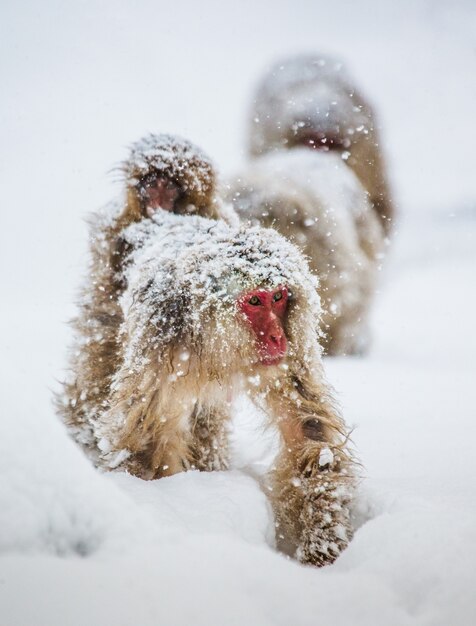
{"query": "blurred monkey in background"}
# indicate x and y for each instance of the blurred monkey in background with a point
(317, 176)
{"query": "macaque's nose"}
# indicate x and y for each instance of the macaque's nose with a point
(276, 336)
(276, 332)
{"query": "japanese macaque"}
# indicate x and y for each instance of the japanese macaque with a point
(180, 313)
(318, 178)
(311, 101)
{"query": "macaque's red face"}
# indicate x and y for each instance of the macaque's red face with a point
(320, 141)
(265, 311)
(158, 192)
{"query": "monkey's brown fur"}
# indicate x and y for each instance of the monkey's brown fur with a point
(312, 98)
(161, 350)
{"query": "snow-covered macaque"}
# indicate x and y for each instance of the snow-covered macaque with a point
(311, 101)
(194, 312)
(317, 177)
(318, 202)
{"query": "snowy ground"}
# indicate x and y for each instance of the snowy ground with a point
(82, 548)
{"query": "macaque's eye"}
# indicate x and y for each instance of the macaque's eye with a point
(278, 296)
(150, 180)
(254, 300)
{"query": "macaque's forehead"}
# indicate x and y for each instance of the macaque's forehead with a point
(268, 289)
(266, 292)
(157, 176)
(236, 288)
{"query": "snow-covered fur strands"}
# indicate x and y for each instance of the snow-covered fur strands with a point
(314, 199)
(311, 100)
(162, 348)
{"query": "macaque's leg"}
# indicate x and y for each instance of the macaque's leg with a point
(156, 432)
(170, 430)
(209, 447)
(164, 451)
(312, 479)
(166, 455)
(311, 506)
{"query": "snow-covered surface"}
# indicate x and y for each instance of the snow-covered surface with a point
(80, 82)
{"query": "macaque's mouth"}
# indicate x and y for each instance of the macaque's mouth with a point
(268, 359)
(273, 349)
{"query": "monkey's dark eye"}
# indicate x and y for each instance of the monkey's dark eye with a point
(254, 300)
(149, 181)
(278, 296)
